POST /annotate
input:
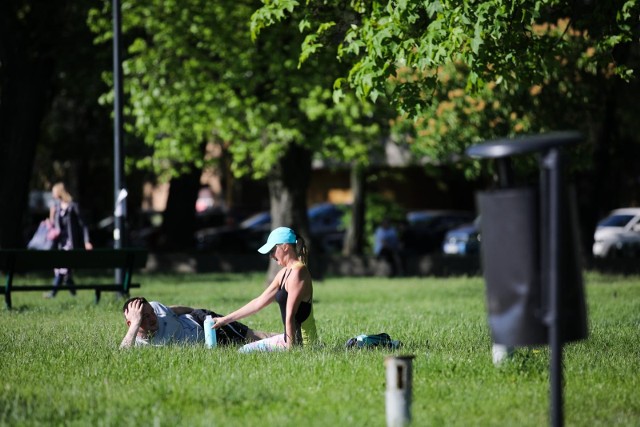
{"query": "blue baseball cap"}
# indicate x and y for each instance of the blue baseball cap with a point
(276, 237)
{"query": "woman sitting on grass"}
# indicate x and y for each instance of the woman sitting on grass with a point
(292, 289)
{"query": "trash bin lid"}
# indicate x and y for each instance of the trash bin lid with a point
(506, 147)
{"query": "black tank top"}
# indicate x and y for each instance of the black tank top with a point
(304, 308)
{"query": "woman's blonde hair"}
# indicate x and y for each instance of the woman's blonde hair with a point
(301, 249)
(59, 190)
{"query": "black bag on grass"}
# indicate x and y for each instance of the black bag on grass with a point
(371, 341)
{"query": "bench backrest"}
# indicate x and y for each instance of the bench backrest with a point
(25, 259)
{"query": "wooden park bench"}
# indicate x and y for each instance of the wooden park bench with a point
(20, 261)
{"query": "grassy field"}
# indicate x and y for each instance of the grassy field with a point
(60, 362)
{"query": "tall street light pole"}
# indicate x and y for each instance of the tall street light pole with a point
(119, 188)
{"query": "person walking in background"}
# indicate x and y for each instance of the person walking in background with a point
(292, 289)
(72, 233)
(386, 246)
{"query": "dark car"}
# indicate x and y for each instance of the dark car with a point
(144, 230)
(463, 240)
(425, 230)
(249, 234)
(325, 226)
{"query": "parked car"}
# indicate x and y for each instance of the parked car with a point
(463, 240)
(231, 238)
(325, 226)
(426, 229)
(618, 234)
(143, 230)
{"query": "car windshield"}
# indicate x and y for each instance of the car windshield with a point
(326, 215)
(262, 218)
(420, 218)
(321, 215)
(615, 221)
(429, 219)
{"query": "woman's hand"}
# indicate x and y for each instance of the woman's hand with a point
(220, 321)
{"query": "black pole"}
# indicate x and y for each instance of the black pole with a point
(505, 172)
(553, 163)
(118, 152)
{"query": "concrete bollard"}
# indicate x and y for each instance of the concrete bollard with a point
(398, 393)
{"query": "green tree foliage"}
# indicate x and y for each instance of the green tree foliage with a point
(471, 70)
(401, 46)
(459, 72)
(195, 75)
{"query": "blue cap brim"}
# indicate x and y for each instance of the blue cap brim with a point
(266, 248)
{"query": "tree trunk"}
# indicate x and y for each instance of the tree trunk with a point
(178, 224)
(25, 78)
(354, 239)
(288, 185)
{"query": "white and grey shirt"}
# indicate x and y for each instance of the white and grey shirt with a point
(173, 329)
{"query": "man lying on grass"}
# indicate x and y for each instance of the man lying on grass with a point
(152, 323)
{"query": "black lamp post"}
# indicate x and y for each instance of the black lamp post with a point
(119, 196)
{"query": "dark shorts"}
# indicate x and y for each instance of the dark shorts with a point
(233, 333)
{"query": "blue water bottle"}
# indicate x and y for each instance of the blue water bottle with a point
(210, 339)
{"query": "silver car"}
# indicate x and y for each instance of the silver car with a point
(618, 234)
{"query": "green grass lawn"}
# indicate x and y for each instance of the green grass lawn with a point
(60, 362)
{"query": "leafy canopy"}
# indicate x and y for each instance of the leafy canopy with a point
(194, 75)
(400, 48)
(459, 72)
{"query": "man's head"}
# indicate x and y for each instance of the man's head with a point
(149, 319)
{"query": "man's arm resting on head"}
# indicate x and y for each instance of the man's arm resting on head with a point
(133, 317)
(180, 309)
(130, 338)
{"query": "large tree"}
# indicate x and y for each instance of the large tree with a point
(26, 68)
(399, 48)
(194, 75)
(421, 54)
(49, 85)
(459, 72)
